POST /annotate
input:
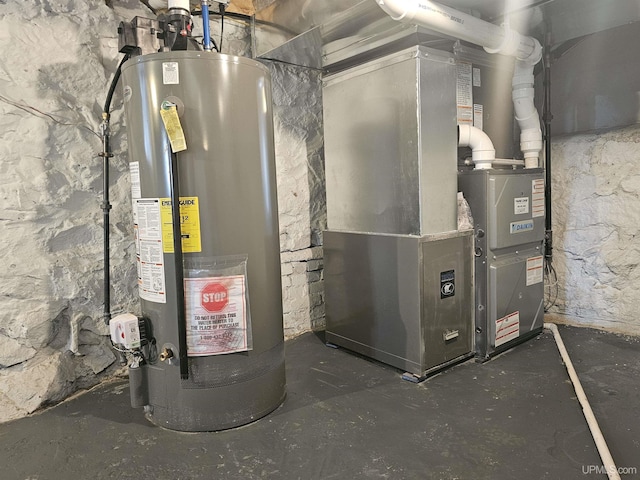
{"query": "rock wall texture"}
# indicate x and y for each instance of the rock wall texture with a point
(52, 335)
(596, 223)
(297, 104)
(56, 63)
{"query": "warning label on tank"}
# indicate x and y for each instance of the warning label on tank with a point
(189, 225)
(170, 73)
(216, 315)
(535, 270)
(134, 172)
(149, 255)
(136, 191)
(507, 328)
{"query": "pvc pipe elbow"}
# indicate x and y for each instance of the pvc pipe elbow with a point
(510, 43)
(399, 10)
(483, 152)
(535, 56)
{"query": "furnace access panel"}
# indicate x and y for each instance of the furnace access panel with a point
(508, 212)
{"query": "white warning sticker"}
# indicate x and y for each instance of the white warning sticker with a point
(170, 73)
(150, 257)
(535, 270)
(537, 197)
(507, 328)
(134, 172)
(216, 315)
(478, 120)
(464, 93)
(477, 79)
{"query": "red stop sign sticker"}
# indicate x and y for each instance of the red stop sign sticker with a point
(214, 297)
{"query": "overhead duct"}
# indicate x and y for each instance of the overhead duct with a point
(494, 39)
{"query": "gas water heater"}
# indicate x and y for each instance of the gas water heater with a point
(208, 350)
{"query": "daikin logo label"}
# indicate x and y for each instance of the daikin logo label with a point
(523, 226)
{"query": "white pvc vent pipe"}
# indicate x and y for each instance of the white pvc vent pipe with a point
(495, 39)
(526, 113)
(601, 444)
(451, 22)
(483, 153)
(183, 4)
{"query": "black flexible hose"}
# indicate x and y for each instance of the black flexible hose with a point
(112, 88)
(106, 205)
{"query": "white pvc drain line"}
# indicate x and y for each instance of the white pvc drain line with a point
(601, 445)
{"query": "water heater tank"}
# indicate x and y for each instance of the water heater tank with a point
(232, 317)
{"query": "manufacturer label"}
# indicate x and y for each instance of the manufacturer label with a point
(447, 284)
(507, 328)
(170, 73)
(521, 205)
(520, 227)
(216, 315)
(535, 270)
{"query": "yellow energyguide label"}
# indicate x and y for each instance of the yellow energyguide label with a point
(189, 225)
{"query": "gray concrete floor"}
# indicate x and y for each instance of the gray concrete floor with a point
(515, 417)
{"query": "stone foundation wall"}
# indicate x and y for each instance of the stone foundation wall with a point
(596, 223)
(55, 68)
(297, 108)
